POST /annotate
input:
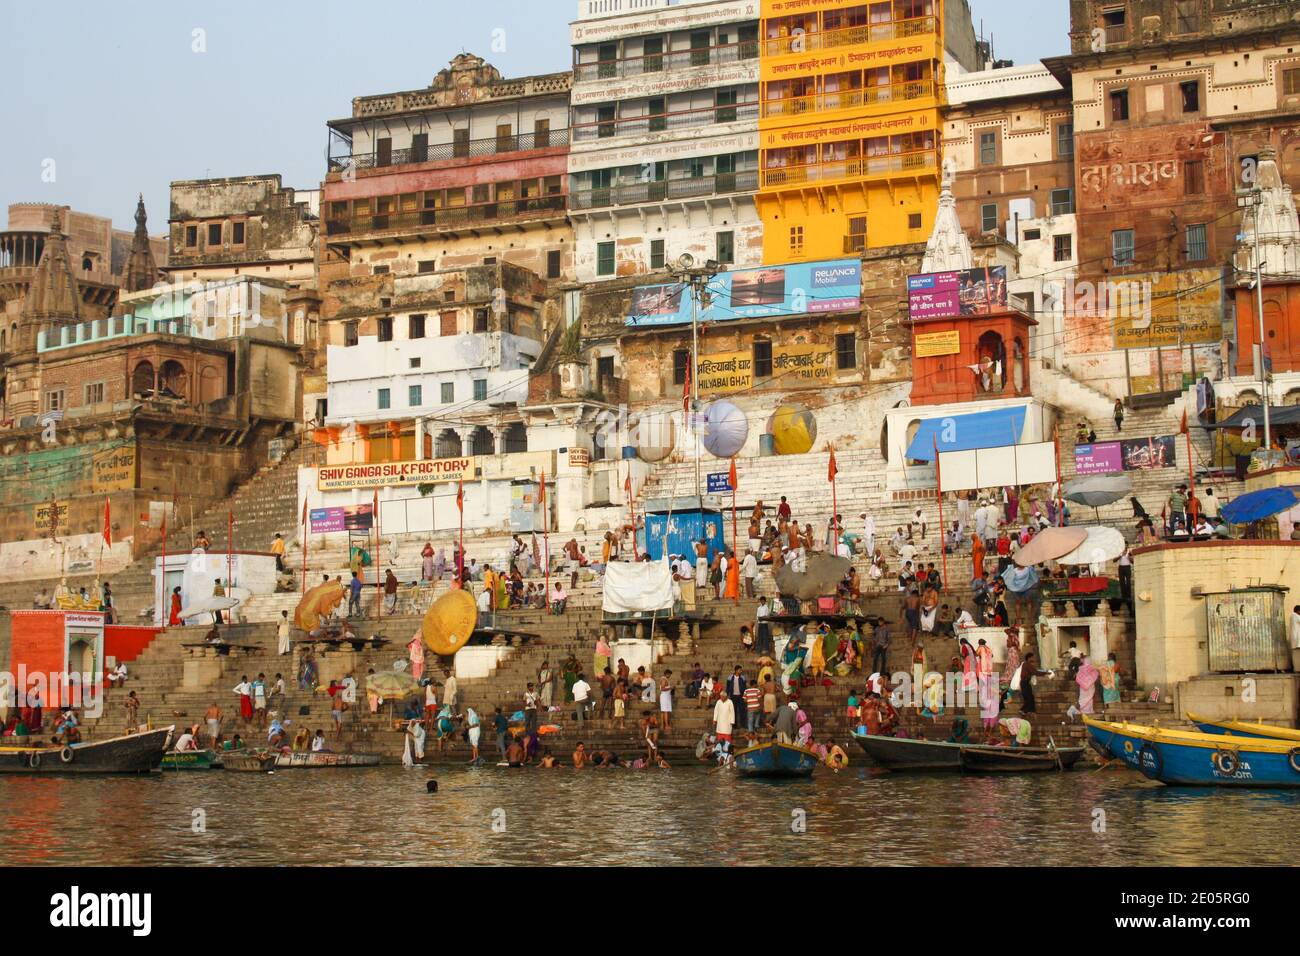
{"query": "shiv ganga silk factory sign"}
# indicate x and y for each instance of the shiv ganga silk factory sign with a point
(390, 473)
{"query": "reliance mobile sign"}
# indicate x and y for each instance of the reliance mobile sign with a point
(798, 289)
(390, 473)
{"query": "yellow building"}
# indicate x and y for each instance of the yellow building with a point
(848, 130)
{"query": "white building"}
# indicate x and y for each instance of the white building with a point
(664, 147)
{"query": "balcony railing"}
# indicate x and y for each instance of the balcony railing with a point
(849, 99)
(850, 36)
(857, 167)
(437, 152)
(664, 122)
(664, 190)
(451, 217)
(669, 62)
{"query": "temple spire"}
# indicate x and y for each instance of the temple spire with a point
(948, 249)
(54, 295)
(141, 269)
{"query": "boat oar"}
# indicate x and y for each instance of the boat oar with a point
(1060, 764)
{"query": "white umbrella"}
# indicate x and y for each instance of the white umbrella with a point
(1102, 544)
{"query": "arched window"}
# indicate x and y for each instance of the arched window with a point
(174, 380)
(992, 353)
(480, 442)
(515, 439)
(142, 380)
(447, 444)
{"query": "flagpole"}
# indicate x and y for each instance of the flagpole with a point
(374, 523)
(306, 535)
(164, 603)
(460, 548)
(230, 555)
(546, 543)
(1191, 474)
(835, 497)
(938, 494)
(1056, 442)
(631, 509)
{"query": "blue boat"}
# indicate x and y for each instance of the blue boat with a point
(1187, 758)
(1244, 728)
(775, 760)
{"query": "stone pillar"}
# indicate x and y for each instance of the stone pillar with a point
(498, 439)
(466, 439)
(419, 439)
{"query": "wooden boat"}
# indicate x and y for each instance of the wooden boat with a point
(324, 758)
(191, 760)
(132, 753)
(249, 761)
(905, 753)
(775, 760)
(1188, 758)
(1244, 728)
(1017, 759)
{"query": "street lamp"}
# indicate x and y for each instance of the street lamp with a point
(697, 277)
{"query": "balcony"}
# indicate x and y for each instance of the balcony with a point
(670, 62)
(664, 122)
(848, 99)
(450, 218)
(858, 167)
(441, 152)
(667, 190)
(850, 36)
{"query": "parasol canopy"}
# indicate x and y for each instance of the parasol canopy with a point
(1102, 544)
(449, 622)
(1049, 544)
(825, 571)
(1098, 490)
(1258, 505)
(316, 603)
(391, 684)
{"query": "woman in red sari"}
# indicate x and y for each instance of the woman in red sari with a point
(977, 555)
(174, 615)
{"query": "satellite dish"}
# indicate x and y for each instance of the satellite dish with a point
(685, 261)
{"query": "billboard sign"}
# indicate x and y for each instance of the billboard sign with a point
(951, 295)
(1131, 454)
(801, 288)
(349, 518)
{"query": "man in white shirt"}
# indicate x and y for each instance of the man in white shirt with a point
(350, 694)
(450, 691)
(749, 571)
(581, 698)
(908, 551)
(1209, 505)
(868, 533)
(724, 719)
(962, 621)
(283, 629)
(186, 741)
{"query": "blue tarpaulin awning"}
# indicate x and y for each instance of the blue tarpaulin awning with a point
(992, 429)
(1258, 505)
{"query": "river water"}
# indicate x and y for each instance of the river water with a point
(687, 815)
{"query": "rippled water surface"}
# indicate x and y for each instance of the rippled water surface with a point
(684, 816)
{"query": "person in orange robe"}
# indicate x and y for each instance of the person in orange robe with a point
(977, 555)
(733, 577)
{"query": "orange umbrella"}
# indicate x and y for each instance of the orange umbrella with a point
(449, 622)
(1050, 544)
(316, 603)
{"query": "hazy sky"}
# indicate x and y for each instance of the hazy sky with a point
(113, 99)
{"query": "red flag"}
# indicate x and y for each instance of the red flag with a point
(731, 477)
(460, 495)
(108, 523)
(627, 482)
(304, 512)
(541, 491)
(831, 470)
(374, 509)
(1182, 429)
(686, 386)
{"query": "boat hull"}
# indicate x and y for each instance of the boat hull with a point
(190, 760)
(1011, 760)
(904, 753)
(1244, 728)
(249, 761)
(775, 760)
(133, 753)
(317, 759)
(1199, 760)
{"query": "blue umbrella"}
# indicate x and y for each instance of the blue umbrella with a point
(1258, 505)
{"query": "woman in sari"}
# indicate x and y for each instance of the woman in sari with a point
(1013, 655)
(600, 661)
(1018, 729)
(426, 563)
(967, 664)
(1028, 670)
(570, 675)
(501, 585)
(415, 653)
(977, 556)
(1086, 678)
(990, 697)
(984, 657)
(877, 569)
(816, 656)
(174, 617)
(932, 697)
(1108, 675)
(804, 735)
(960, 731)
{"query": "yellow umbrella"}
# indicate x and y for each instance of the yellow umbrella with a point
(316, 603)
(449, 622)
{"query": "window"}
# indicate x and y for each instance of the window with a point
(989, 217)
(796, 240)
(762, 358)
(846, 351)
(480, 389)
(415, 363)
(606, 61)
(1118, 106)
(553, 264)
(656, 253)
(1187, 16)
(385, 399)
(748, 42)
(1191, 96)
(1064, 140)
(379, 271)
(1062, 201)
(1194, 177)
(1121, 247)
(700, 48)
(856, 240)
(384, 151)
(54, 400)
(237, 233)
(1291, 82)
(505, 137)
(1062, 248)
(725, 101)
(652, 55)
(541, 133)
(419, 147)
(725, 247)
(1033, 235)
(914, 220)
(385, 329)
(415, 395)
(658, 112)
(192, 232)
(214, 234)
(415, 327)
(681, 359)
(448, 392)
(94, 393)
(605, 121)
(447, 324)
(460, 142)
(605, 258)
(1115, 22)
(424, 266)
(350, 333)
(988, 149)
(480, 320)
(1198, 249)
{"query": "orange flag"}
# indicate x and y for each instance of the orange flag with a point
(460, 495)
(108, 523)
(304, 512)
(686, 386)
(541, 490)
(731, 477)
(831, 470)
(1182, 429)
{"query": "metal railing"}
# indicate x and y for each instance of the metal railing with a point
(450, 217)
(666, 62)
(857, 167)
(849, 99)
(663, 190)
(438, 152)
(664, 122)
(850, 36)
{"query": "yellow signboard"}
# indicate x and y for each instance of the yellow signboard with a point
(1162, 309)
(937, 343)
(51, 517)
(726, 372)
(390, 473)
(803, 56)
(113, 470)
